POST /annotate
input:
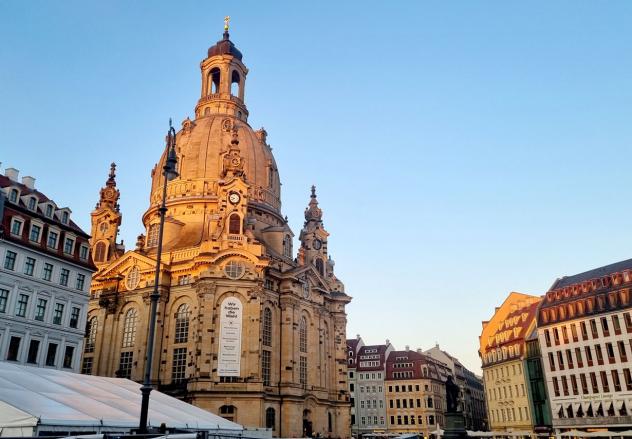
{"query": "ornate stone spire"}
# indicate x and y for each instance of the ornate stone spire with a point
(109, 195)
(313, 212)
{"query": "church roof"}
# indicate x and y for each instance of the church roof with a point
(224, 47)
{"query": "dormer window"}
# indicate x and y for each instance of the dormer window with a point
(32, 203)
(83, 252)
(53, 238)
(69, 245)
(13, 196)
(64, 217)
(16, 226)
(36, 232)
(49, 211)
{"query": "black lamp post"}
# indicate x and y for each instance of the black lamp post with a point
(169, 172)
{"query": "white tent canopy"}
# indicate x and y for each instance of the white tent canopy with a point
(36, 399)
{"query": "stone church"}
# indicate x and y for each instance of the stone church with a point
(247, 327)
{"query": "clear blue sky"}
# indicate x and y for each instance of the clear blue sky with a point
(461, 150)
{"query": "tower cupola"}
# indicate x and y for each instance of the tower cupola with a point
(223, 80)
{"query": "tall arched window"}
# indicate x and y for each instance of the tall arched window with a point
(319, 266)
(302, 335)
(129, 328)
(213, 79)
(266, 330)
(182, 324)
(99, 252)
(152, 235)
(270, 418)
(234, 224)
(235, 84)
(91, 334)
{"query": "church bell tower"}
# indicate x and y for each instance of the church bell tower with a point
(106, 220)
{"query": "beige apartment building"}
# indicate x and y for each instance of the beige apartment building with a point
(502, 351)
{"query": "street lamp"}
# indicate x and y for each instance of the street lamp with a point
(169, 172)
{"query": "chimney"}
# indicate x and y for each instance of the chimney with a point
(407, 348)
(12, 173)
(358, 336)
(388, 342)
(29, 182)
(419, 351)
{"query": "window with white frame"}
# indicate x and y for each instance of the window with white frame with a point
(53, 239)
(36, 232)
(13, 196)
(83, 252)
(32, 203)
(16, 226)
(69, 245)
(182, 324)
(179, 365)
(64, 217)
(49, 211)
(129, 328)
(91, 339)
(4, 298)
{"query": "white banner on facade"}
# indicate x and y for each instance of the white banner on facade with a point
(229, 357)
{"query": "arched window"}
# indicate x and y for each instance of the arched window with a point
(64, 217)
(227, 412)
(266, 330)
(49, 211)
(152, 235)
(234, 224)
(13, 196)
(99, 252)
(270, 418)
(91, 334)
(302, 335)
(319, 266)
(182, 324)
(32, 203)
(129, 328)
(213, 79)
(235, 84)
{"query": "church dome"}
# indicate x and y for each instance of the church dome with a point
(201, 146)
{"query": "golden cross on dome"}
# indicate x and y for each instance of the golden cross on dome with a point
(226, 22)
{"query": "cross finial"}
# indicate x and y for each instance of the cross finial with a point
(226, 23)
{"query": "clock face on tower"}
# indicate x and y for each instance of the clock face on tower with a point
(317, 244)
(103, 227)
(234, 197)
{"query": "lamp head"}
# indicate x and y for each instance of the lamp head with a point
(172, 159)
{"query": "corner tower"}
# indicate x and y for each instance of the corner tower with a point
(106, 219)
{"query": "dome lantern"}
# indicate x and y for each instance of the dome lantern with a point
(223, 81)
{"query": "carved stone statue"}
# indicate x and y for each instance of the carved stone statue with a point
(452, 395)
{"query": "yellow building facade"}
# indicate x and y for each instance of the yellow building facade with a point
(247, 327)
(502, 351)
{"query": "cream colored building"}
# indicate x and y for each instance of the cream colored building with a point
(247, 327)
(502, 350)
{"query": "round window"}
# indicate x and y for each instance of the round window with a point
(133, 277)
(234, 269)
